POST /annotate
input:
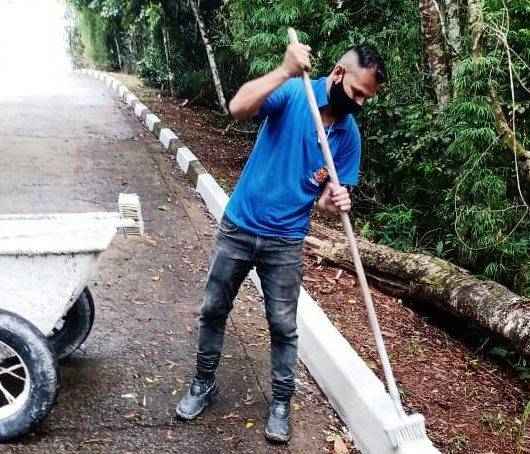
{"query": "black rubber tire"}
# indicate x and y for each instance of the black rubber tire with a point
(76, 328)
(32, 348)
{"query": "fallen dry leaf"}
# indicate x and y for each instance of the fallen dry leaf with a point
(339, 447)
(129, 396)
(149, 240)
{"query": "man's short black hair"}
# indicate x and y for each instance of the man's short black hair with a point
(370, 58)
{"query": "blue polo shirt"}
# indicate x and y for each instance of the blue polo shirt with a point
(286, 171)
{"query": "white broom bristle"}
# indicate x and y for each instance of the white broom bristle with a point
(408, 429)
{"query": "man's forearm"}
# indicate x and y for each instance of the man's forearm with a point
(250, 97)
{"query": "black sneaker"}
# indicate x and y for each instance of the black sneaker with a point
(199, 396)
(277, 428)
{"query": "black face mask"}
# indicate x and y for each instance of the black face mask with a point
(340, 103)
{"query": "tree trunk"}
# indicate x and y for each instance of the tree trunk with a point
(430, 280)
(211, 57)
(165, 36)
(118, 52)
(509, 138)
(431, 22)
(476, 25)
(454, 32)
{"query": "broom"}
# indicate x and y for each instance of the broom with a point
(409, 428)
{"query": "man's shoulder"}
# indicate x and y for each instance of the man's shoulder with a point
(351, 126)
(294, 85)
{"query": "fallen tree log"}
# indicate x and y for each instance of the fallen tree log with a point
(430, 280)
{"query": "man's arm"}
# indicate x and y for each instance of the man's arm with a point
(250, 97)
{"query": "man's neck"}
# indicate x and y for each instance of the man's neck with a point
(327, 118)
(325, 113)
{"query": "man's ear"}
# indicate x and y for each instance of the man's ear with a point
(338, 72)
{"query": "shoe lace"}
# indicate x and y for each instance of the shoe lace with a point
(200, 385)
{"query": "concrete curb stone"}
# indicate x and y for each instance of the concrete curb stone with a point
(168, 139)
(184, 158)
(122, 89)
(140, 110)
(157, 128)
(151, 120)
(131, 100)
(212, 194)
(195, 170)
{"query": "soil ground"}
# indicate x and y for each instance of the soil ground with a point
(472, 403)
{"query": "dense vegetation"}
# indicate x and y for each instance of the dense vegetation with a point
(440, 172)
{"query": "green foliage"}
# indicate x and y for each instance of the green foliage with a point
(397, 225)
(258, 31)
(153, 66)
(94, 34)
(435, 180)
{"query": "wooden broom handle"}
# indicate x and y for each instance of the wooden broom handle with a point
(346, 222)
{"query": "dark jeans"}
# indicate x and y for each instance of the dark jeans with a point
(278, 262)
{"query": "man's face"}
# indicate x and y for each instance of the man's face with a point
(359, 83)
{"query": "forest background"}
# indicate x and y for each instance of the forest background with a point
(446, 153)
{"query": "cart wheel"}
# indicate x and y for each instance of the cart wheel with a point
(74, 328)
(28, 376)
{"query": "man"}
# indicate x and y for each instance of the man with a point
(267, 216)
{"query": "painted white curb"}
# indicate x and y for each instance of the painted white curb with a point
(353, 389)
(184, 157)
(122, 89)
(131, 99)
(212, 194)
(151, 120)
(167, 137)
(140, 109)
